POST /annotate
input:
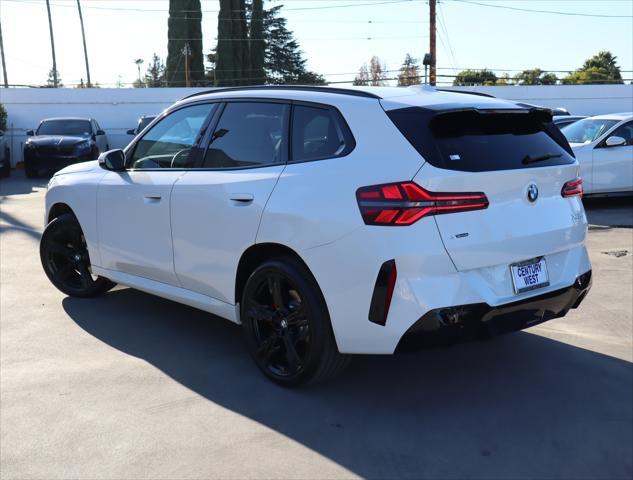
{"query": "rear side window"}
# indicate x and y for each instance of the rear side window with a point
(478, 141)
(248, 135)
(319, 133)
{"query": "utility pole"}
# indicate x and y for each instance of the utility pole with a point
(83, 35)
(50, 27)
(432, 41)
(4, 65)
(186, 51)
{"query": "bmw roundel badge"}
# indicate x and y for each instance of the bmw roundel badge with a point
(532, 193)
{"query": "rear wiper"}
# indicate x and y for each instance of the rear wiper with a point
(541, 158)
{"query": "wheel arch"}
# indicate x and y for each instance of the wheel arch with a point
(57, 210)
(258, 253)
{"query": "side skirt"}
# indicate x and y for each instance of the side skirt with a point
(170, 292)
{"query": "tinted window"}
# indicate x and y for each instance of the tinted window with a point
(318, 133)
(169, 143)
(249, 135)
(587, 130)
(625, 131)
(475, 141)
(65, 127)
(144, 122)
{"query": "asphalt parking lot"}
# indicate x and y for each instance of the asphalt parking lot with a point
(132, 386)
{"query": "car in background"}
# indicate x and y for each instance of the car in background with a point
(603, 146)
(563, 120)
(143, 122)
(59, 142)
(5, 157)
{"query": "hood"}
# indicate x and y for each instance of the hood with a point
(56, 140)
(578, 146)
(79, 167)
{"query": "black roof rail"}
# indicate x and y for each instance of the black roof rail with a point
(307, 88)
(466, 92)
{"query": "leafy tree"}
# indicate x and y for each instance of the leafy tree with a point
(601, 68)
(155, 74)
(376, 72)
(409, 72)
(475, 77)
(50, 83)
(184, 33)
(3, 118)
(362, 79)
(536, 76)
(504, 80)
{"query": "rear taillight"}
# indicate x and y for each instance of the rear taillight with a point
(572, 188)
(404, 203)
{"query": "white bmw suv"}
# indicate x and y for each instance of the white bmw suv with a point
(330, 221)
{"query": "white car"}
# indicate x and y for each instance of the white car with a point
(332, 221)
(603, 146)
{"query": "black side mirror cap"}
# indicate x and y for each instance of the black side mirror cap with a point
(113, 160)
(131, 131)
(100, 132)
(30, 133)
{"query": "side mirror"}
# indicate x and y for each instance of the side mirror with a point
(113, 160)
(131, 131)
(30, 133)
(615, 141)
(100, 132)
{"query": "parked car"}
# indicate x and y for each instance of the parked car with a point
(5, 156)
(143, 122)
(563, 120)
(603, 146)
(59, 142)
(556, 111)
(332, 221)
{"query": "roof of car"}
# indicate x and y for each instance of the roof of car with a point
(391, 97)
(66, 118)
(614, 116)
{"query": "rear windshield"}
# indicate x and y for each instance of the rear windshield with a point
(478, 141)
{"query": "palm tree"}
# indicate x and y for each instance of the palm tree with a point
(50, 27)
(139, 62)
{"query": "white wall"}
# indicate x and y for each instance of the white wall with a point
(578, 99)
(118, 110)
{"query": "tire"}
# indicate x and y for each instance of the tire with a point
(287, 326)
(29, 170)
(65, 259)
(5, 171)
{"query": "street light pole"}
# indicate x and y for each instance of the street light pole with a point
(83, 35)
(50, 28)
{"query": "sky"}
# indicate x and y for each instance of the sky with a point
(337, 36)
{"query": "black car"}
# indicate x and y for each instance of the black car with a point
(59, 142)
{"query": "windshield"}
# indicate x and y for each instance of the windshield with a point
(587, 130)
(65, 127)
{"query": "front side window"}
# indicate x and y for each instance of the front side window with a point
(249, 135)
(317, 133)
(587, 130)
(169, 144)
(624, 131)
(65, 127)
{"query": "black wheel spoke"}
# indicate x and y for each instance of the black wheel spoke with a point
(274, 287)
(297, 318)
(59, 249)
(268, 347)
(64, 272)
(292, 357)
(85, 277)
(261, 313)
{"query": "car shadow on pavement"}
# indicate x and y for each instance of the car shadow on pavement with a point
(609, 211)
(516, 406)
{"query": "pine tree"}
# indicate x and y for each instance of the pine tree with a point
(50, 82)
(409, 72)
(184, 29)
(257, 43)
(155, 74)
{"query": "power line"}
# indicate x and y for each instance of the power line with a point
(551, 12)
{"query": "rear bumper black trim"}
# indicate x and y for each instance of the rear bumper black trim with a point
(445, 326)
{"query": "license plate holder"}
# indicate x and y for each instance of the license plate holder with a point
(529, 275)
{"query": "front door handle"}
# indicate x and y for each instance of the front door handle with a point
(241, 198)
(152, 198)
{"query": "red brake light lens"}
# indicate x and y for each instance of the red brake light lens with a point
(572, 188)
(404, 203)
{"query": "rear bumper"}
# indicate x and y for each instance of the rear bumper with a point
(455, 324)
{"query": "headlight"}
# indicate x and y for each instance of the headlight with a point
(83, 146)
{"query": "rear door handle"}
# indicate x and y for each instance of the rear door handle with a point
(241, 198)
(152, 198)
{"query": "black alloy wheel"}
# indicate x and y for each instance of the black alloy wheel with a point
(287, 326)
(65, 259)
